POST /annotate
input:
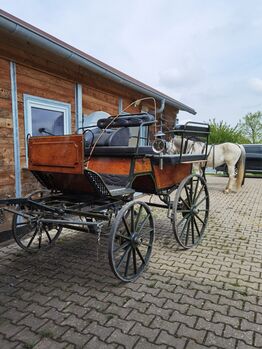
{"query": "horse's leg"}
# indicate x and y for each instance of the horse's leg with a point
(231, 179)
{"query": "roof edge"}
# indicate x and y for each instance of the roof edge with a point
(16, 26)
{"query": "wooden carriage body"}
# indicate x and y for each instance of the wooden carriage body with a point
(61, 163)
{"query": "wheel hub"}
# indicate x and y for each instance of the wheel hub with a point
(136, 240)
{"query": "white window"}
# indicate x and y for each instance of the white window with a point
(45, 117)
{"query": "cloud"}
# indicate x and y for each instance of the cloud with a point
(175, 77)
(255, 84)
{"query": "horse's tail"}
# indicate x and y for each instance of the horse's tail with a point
(240, 177)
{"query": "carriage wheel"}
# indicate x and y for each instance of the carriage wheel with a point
(131, 240)
(190, 211)
(33, 236)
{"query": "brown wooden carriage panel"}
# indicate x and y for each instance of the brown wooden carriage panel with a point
(110, 165)
(171, 174)
(63, 154)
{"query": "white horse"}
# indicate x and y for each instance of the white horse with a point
(233, 155)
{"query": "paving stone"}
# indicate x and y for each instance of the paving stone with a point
(258, 340)
(144, 344)
(94, 315)
(170, 327)
(246, 336)
(55, 315)
(226, 343)
(52, 330)
(188, 320)
(75, 322)
(14, 315)
(233, 321)
(7, 344)
(154, 310)
(50, 344)
(202, 324)
(76, 338)
(146, 332)
(127, 340)
(135, 315)
(101, 332)
(174, 342)
(197, 335)
(8, 329)
(123, 325)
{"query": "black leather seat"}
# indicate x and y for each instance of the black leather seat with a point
(129, 120)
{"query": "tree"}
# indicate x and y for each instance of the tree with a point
(221, 132)
(251, 127)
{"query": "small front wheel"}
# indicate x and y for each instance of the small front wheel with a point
(32, 236)
(190, 211)
(131, 240)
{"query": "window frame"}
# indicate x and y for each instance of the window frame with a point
(31, 101)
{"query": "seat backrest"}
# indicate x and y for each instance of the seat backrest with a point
(109, 137)
(128, 120)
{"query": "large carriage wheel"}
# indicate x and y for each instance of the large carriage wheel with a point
(190, 211)
(131, 240)
(32, 235)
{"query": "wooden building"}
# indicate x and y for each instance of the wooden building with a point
(42, 79)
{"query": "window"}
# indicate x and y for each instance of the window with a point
(43, 114)
(45, 117)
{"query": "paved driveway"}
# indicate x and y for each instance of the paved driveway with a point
(209, 296)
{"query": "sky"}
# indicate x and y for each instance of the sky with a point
(204, 53)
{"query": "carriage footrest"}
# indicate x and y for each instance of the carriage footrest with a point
(119, 191)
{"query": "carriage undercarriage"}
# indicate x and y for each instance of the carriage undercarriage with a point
(87, 193)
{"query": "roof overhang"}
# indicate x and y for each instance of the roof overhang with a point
(19, 28)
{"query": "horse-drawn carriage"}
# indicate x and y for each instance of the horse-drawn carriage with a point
(91, 179)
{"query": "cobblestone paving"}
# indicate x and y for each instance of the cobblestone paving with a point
(210, 296)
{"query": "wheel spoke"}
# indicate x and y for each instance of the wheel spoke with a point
(142, 233)
(32, 238)
(127, 262)
(200, 219)
(134, 261)
(123, 236)
(123, 257)
(194, 198)
(192, 228)
(184, 217)
(140, 255)
(143, 223)
(200, 191)
(200, 202)
(126, 225)
(132, 219)
(138, 216)
(40, 240)
(123, 246)
(184, 202)
(188, 196)
(183, 229)
(48, 236)
(196, 227)
(187, 232)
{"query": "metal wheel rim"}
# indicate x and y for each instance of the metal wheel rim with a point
(131, 250)
(190, 226)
